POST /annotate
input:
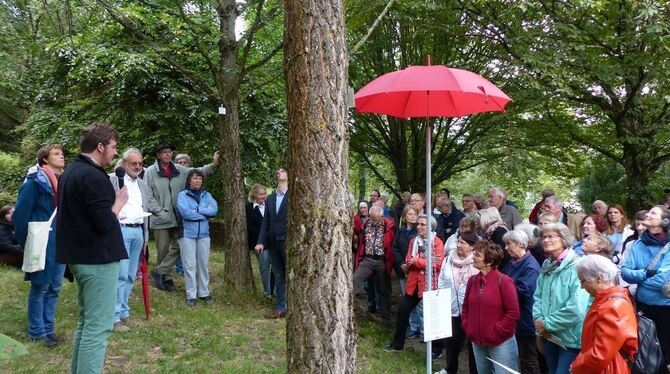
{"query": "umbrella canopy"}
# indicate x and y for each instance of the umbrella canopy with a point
(430, 91)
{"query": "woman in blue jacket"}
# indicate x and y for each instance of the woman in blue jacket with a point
(36, 202)
(196, 206)
(651, 277)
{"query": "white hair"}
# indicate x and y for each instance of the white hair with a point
(554, 200)
(590, 267)
(489, 216)
(433, 222)
(562, 230)
(498, 192)
(129, 151)
(516, 236)
(376, 209)
(532, 232)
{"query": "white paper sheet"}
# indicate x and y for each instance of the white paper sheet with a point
(436, 314)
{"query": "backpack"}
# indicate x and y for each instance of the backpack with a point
(649, 357)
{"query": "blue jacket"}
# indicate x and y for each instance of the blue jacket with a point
(196, 215)
(560, 302)
(634, 270)
(524, 272)
(35, 202)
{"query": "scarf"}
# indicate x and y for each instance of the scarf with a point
(419, 242)
(196, 195)
(462, 268)
(551, 265)
(374, 238)
(53, 180)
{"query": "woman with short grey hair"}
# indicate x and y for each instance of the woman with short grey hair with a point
(524, 270)
(493, 229)
(610, 326)
(560, 305)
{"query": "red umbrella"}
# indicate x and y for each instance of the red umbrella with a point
(144, 257)
(430, 91)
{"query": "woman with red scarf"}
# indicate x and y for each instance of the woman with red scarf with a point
(37, 202)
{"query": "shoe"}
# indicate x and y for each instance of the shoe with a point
(207, 299)
(158, 279)
(437, 355)
(54, 337)
(120, 327)
(392, 348)
(276, 314)
(190, 302)
(443, 371)
(49, 342)
(46, 340)
(169, 285)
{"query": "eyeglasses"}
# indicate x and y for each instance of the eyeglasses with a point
(421, 224)
(550, 237)
(135, 163)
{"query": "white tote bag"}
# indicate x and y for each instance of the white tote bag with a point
(35, 250)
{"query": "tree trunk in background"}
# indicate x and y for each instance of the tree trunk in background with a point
(320, 330)
(237, 267)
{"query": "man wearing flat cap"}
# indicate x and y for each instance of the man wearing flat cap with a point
(166, 179)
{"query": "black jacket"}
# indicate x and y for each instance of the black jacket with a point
(254, 222)
(400, 245)
(8, 241)
(88, 230)
(274, 223)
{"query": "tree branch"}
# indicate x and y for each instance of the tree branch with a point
(360, 43)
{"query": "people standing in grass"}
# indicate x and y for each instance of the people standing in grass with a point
(11, 253)
(415, 266)
(610, 327)
(37, 201)
(196, 207)
(89, 240)
(648, 266)
(491, 311)
(255, 208)
(524, 270)
(457, 269)
(560, 304)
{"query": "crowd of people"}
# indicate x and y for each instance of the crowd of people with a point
(557, 293)
(554, 294)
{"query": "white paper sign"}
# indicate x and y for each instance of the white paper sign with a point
(436, 314)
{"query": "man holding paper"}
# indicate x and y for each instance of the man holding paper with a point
(134, 221)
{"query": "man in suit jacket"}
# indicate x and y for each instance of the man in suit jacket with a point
(272, 237)
(256, 208)
(135, 230)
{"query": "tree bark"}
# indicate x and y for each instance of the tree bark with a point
(320, 329)
(237, 267)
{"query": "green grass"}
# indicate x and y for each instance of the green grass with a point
(228, 336)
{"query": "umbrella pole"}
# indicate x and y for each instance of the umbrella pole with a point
(429, 244)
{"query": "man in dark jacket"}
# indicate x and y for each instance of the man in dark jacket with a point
(448, 219)
(89, 240)
(272, 237)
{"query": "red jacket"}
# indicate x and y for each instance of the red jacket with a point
(389, 234)
(490, 309)
(358, 228)
(416, 275)
(609, 326)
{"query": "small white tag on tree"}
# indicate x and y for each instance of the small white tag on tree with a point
(222, 110)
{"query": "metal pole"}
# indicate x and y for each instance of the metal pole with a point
(429, 244)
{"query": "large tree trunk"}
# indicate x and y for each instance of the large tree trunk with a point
(638, 181)
(320, 329)
(237, 266)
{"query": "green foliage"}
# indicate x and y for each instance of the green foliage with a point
(11, 178)
(592, 74)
